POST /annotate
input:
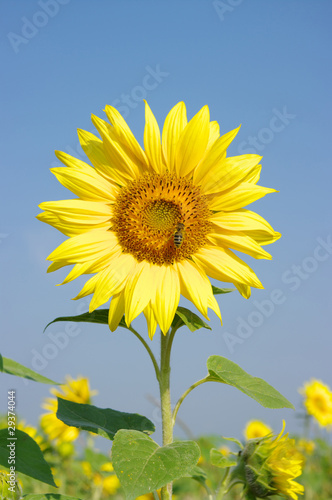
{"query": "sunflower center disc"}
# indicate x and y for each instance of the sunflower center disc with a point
(147, 212)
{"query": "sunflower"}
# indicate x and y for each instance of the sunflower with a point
(318, 401)
(153, 224)
(271, 465)
(77, 391)
(256, 429)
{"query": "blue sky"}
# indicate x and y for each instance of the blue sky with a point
(262, 64)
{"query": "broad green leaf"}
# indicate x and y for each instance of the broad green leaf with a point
(219, 460)
(142, 466)
(225, 371)
(102, 421)
(218, 291)
(13, 368)
(186, 317)
(1, 363)
(29, 459)
(48, 496)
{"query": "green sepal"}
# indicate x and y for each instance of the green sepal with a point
(185, 317)
(143, 467)
(219, 460)
(219, 291)
(227, 372)
(99, 316)
(12, 367)
(102, 421)
(29, 459)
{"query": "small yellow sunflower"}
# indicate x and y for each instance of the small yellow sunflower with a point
(77, 391)
(256, 429)
(153, 224)
(318, 401)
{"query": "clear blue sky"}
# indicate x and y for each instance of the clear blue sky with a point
(263, 64)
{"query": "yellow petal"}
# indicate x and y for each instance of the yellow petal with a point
(151, 320)
(241, 220)
(175, 122)
(84, 247)
(94, 149)
(116, 310)
(112, 279)
(214, 134)
(89, 287)
(264, 238)
(192, 142)
(77, 271)
(238, 197)
(244, 290)
(215, 155)
(139, 289)
(167, 296)
(242, 243)
(77, 207)
(116, 153)
(152, 143)
(213, 304)
(55, 266)
(225, 174)
(88, 184)
(195, 286)
(224, 265)
(124, 134)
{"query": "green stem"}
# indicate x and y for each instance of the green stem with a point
(185, 394)
(153, 359)
(165, 400)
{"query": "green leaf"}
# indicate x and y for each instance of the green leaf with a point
(142, 466)
(99, 316)
(28, 457)
(234, 440)
(186, 317)
(218, 291)
(225, 371)
(13, 368)
(219, 460)
(1, 363)
(104, 422)
(48, 496)
(198, 474)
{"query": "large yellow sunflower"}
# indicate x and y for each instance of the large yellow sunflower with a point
(154, 223)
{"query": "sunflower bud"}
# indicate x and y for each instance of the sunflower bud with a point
(268, 466)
